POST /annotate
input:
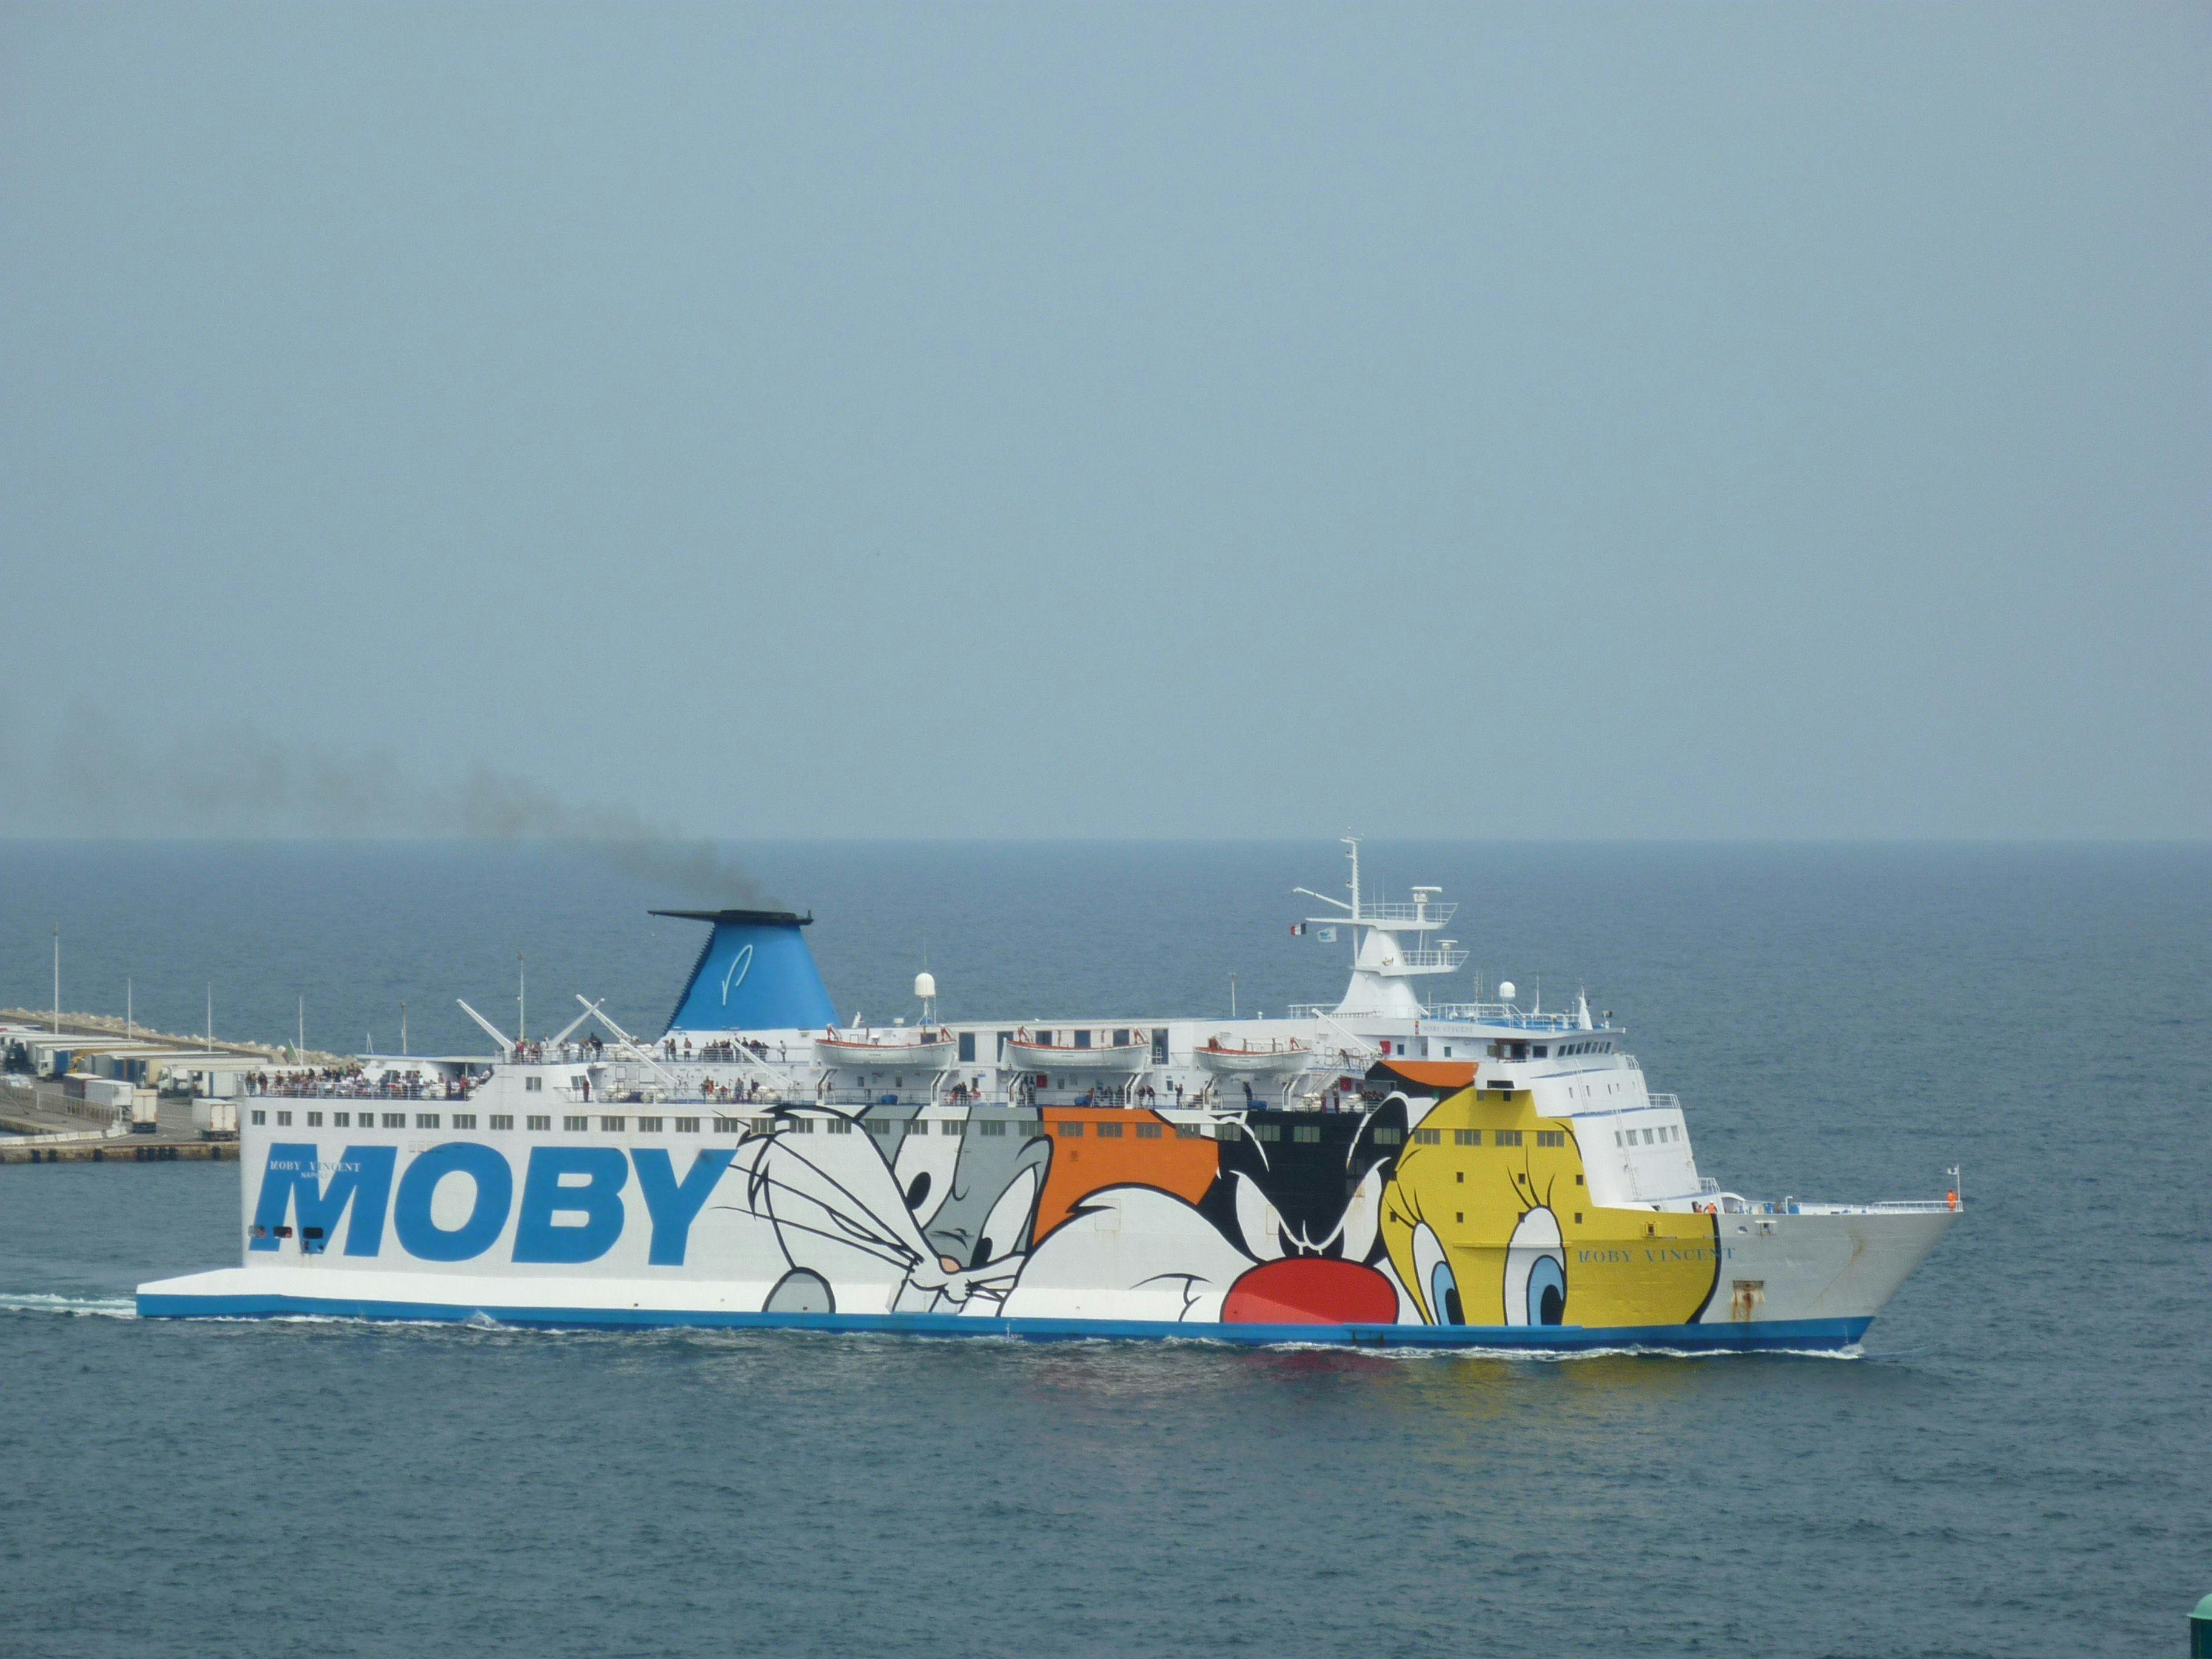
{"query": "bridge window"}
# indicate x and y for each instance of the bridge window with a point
(1305, 1132)
(575, 1125)
(613, 1123)
(729, 1125)
(1109, 1132)
(880, 1126)
(314, 1120)
(533, 1086)
(425, 1120)
(395, 1119)
(992, 1125)
(1083, 1039)
(1071, 1132)
(260, 1116)
(967, 1047)
(1551, 1137)
(284, 1119)
(1388, 1134)
(1428, 1136)
(839, 1126)
(1467, 1137)
(1159, 1045)
(1267, 1130)
(1148, 1132)
(648, 1126)
(468, 1121)
(1190, 1132)
(1509, 1137)
(687, 1125)
(340, 1120)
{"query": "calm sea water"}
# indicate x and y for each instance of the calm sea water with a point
(2021, 1464)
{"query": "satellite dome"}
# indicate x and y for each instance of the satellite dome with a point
(924, 986)
(1505, 990)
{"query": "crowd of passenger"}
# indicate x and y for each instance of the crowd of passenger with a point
(351, 1083)
(673, 1047)
(584, 1051)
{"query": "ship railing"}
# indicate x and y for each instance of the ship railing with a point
(1446, 961)
(1502, 1013)
(1435, 914)
(1734, 1204)
(1665, 1102)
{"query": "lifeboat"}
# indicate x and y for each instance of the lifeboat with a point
(1024, 1053)
(1225, 1056)
(920, 1051)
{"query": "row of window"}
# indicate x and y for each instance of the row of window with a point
(1651, 1137)
(1547, 1051)
(392, 1119)
(1073, 1129)
(1474, 1137)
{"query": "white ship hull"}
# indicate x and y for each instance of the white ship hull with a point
(1474, 1175)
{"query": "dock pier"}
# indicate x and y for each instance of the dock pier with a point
(52, 1120)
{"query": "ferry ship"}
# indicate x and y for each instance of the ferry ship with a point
(1384, 1172)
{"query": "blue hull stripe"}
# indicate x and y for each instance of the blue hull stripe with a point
(1798, 1333)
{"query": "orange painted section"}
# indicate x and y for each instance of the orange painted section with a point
(1083, 1164)
(1433, 1073)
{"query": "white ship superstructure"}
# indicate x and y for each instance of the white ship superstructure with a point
(1383, 1170)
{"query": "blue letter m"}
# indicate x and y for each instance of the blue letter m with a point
(363, 1178)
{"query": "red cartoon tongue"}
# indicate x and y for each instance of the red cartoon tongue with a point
(1310, 1290)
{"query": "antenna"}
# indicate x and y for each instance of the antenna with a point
(522, 998)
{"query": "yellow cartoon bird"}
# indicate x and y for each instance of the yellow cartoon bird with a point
(1488, 1221)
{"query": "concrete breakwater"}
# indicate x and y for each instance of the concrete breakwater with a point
(94, 1087)
(41, 1020)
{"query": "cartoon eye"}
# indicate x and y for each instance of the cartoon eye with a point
(1257, 1219)
(1536, 1271)
(1436, 1281)
(1008, 1224)
(923, 1169)
(1363, 1215)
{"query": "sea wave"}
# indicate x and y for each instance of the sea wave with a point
(94, 1307)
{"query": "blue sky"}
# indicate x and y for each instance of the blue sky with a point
(1527, 422)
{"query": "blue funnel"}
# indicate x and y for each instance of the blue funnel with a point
(756, 974)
